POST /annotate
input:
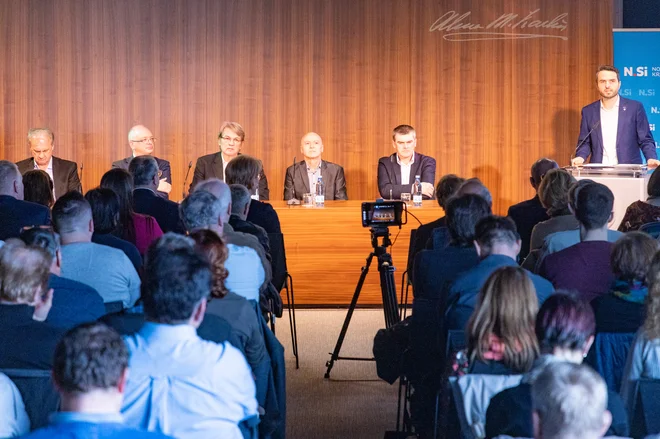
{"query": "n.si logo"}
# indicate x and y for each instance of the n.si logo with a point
(635, 71)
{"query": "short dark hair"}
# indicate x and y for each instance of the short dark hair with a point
(403, 130)
(243, 170)
(653, 186)
(493, 230)
(593, 205)
(176, 278)
(475, 186)
(44, 238)
(143, 168)
(70, 212)
(632, 255)
(608, 68)
(463, 214)
(564, 321)
(105, 209)
(90, 356)
(446, 188)
(574, 189)
(38, 187)
(540, 168)
(240, 197)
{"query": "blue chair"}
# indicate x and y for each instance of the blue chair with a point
(652, 229)
(645, 419)
(608, 357)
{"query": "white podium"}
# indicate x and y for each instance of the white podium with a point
(627, 182)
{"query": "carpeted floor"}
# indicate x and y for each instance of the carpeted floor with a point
(354, 402)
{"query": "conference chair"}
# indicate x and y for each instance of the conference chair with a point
(38, 393)
(282, 280)
(644, 418)
(608, 355)
(652, 229)
(406, 277)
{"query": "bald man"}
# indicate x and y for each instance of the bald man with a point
(142, 142)
(301, 177)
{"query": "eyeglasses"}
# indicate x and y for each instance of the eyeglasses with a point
(231, 139)
(147, 140)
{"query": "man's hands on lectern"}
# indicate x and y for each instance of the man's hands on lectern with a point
(653, 163)
(427, 189)
(577, 161)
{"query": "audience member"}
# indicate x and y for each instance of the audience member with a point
(90, 369)
(240, 207)
(103, 268)
(527, 214)
(38, 188)
(622, 309)
(14, 212)
(569, 402)
(73, 302)
(585, 267)
(643, 212)
(140, 230)
(246, 171)
(565, 331)
(180, 384)
(105, 214)
(14, 420)
(146, 201)
(476, 187)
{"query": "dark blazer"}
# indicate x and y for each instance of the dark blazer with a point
(389, 175)
(633, 133)
(296, 181)
(129, 249)
(73, 303)
(166, 212)
(526, 215)
(243, 226)
(163, 166)
(65, 174)
(263, 214)
(210, 166)
(16, 214)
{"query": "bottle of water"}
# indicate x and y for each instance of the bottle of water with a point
(417, 192)
(319, 199)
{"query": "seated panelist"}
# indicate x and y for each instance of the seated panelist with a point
(301, 177)
(396, 173)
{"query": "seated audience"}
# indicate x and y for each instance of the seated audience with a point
(140, 230)
(569, 401)
(565, 331)
(622, 308)
(585, 267)
(240, 207)
(90, 369)
(245, 170)
(180, 384)
(26, 340)
(73, 302)
(497, 243)
(14, 212)
(14, 419)
(38, 188)
(103, 268)
(105, 214)
(643, 212)
(527, 214)
(476, 187)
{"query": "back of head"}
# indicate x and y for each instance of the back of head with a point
(89, 357)
(38, 187)
(176, 279)
(200, 210)
(240, 198)
(540, 168)
(209, 244)
(506, 308)
(243, 170)
(144, 169)
(653, 186)
(564, 321)
(495, 231)
(104, 203)
(463, 214)
(447, 188)
(575, 189)
(220, 189)
(71, 213)
(8, 174)
(632, 255)
(121, 182)
(553, 191)
(593, 206)
(24, 272)
(476, 187)
(570, 401)
(44, 238)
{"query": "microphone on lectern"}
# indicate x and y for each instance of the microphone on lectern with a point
(593, 127)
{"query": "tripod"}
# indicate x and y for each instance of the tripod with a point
(387, 287)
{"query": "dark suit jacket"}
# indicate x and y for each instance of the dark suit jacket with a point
(129, 249)
(389, 175)
(243, 226)
(16, 214)
(263, 214)
(296, 181)
(166, 212)
(526, 215)
(73, 303)
(65, 174)
(633, 133)
(163, 166)
(210, 166)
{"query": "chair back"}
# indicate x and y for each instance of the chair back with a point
(278, 256)
(455, 342)
(652, 229)
(15, 421)
(411, 254)
(646, 407)
(441, 238)
(38, 393)
(608, 357)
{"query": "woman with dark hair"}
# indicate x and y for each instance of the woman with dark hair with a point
(246, 171)
(564, 328)
(38, 188)
(622, 308)
(642, 212)
(140, 230)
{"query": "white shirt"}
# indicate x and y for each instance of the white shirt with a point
(49, 171)
(609, 122)
(405, 169)
(246, 272)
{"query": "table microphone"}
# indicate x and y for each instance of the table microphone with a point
(293, 199)
(582, 141)
(185, 180)
(81, 174)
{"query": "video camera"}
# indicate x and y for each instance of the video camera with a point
(382, 214)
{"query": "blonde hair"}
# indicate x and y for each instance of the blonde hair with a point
(235, 127)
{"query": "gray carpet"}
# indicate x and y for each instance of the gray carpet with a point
(354, 402)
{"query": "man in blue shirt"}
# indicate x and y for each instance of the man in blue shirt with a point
(89, 372)
(180, 384)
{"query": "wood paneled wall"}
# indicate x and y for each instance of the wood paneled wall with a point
(350, 70)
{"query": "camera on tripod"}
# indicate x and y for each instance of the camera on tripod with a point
(382, 214)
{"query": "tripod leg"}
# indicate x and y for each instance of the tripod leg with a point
(335, 354)
(388, 291)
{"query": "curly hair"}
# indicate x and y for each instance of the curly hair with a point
(208, 243)
(652, 323)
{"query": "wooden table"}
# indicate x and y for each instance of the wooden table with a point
(326, 248)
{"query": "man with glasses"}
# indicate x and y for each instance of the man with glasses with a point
(142, 142)
(230, 140)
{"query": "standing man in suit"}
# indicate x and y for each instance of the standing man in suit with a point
(396, 173)
(230, 140)
(301, 177)
(142, 142)
(64, 173)
(14, 212)
(614, 129)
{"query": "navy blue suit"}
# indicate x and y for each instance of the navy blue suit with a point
(73, 303)
(16, 214)
(166, 212)
(633, 133)
(389, 175)
(163, 166)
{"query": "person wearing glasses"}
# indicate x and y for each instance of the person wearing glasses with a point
(230, 140)
(142, 142)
